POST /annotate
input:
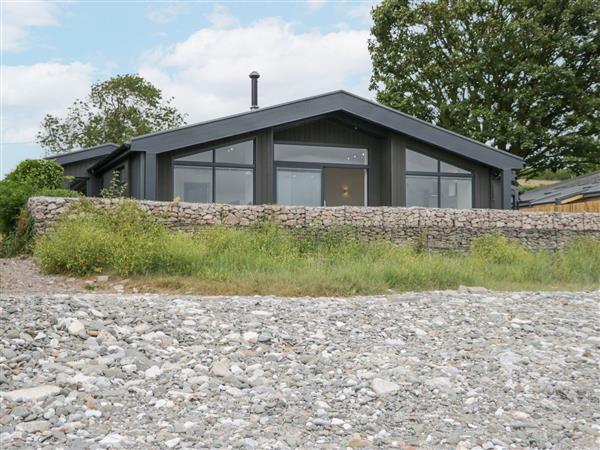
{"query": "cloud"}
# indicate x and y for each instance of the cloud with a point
(207, 74)
(220, 17)
(30, 92)
(166, 13)
(19, 17)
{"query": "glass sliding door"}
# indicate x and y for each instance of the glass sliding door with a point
(299, 186)
(345, 187)
(320, 175)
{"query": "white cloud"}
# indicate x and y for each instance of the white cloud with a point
(220, 17)
(166, 13)
(19, 17)
(30, 92)
(207, 74)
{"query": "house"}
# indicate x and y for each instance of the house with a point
(327, 150)
(576, 195)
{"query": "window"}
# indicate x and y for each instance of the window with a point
(433, 183)
(223, 175)
(305, 175)
(320, 154)
(299, 186)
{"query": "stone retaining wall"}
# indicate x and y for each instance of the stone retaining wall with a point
(439, 229)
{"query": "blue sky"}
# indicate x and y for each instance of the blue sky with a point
(199, 53)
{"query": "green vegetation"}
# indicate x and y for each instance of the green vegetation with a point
(116, 110)
(268, 260)
(522, 75)
(31, 177)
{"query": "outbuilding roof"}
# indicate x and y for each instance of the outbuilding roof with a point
(578, 188)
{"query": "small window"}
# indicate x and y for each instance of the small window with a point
(449, 168)
(417, 162)
(242, 153)
(205, 156)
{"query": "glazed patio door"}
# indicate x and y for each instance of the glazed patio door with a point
(344, 186)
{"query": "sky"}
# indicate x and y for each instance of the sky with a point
(198, 53)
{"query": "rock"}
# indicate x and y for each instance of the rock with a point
(251, 337)
(102, 278)
(220, 369)
(35, 426)
(114, 440)
(358, 442)
(31, 394)
(441, 383)
(76, 328)
(152, 372)
(383, 387)
(172, 443)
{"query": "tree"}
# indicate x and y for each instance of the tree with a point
(521, 75)
(115, 111)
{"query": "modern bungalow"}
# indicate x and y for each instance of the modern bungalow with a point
(328, 150)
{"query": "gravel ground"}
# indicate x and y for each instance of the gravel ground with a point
(472, 369)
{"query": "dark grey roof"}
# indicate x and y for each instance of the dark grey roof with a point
(250, 121)
(83, 154)
(586, 185)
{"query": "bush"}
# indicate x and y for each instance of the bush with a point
(497, 249)
(31, 177)
(38, 174)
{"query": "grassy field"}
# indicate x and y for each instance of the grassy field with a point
(268, 260)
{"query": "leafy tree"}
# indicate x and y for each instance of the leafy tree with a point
(115, 111)
(521, 75)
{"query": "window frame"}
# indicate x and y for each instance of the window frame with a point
(215, 165)
(439, 175)
(319, 165)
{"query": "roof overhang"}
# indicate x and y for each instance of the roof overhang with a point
(320, 105)
(84, 154)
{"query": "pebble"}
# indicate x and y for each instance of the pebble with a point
(466, 369)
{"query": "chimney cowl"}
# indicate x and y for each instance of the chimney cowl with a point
(254, 90)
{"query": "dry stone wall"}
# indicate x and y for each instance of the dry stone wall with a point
(438, 229)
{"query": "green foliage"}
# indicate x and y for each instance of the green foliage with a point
(559, 175)
(267, 259)
(19, 240)
(117, 187)
(31, 177)
(497, 249)
(38, 174)
(522, 75)
(115, 111)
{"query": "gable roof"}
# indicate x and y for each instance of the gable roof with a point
(584, 186)
(83, 154)
(319, 105)
(298, 110)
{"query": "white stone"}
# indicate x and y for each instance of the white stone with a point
(220, 369)
(250, 336)
(76, 328)
(172, 443)
(31, 394)
(152, 372)
(383, 387)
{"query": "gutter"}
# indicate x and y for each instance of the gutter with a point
(118, 153)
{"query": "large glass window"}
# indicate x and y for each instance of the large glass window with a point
(433, 183)
(317, 175)
(320, 154)
(223, 175)
(299, 186)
